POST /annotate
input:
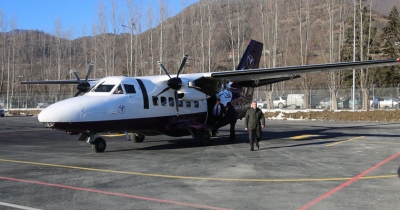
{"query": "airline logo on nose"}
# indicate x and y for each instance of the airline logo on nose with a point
(121, 109)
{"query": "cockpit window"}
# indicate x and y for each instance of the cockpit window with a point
(129, 88)
(103, 88)
(119, 90)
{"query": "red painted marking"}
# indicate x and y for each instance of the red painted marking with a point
(113, 193)
(308, 205)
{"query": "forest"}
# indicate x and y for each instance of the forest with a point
(214, 34)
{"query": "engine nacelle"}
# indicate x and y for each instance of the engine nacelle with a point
(191, 94)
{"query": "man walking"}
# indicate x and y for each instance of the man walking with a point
(254, 122)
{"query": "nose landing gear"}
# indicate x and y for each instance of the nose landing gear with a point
(99, 145)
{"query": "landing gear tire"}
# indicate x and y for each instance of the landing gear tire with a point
(138, 137)
(203, 137)
(99, 145)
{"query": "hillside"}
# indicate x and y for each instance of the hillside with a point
(213, 33)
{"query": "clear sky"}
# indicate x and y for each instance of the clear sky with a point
(73, 14)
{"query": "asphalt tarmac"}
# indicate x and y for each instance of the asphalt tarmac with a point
(300, 165)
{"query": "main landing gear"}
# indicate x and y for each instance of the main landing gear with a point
(201, 133)
(137, 137)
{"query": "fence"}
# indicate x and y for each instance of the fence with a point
(43, 100)
(27, 101)
(321, 94)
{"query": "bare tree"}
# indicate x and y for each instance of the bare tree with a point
(211, 28)
(163, 17)
(113, 39)
(104, 37)
(94, 49)
(150, 40)
(3, 50)
(231, 37)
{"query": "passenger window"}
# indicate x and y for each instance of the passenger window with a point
(129, 88)
(196, 104)
(171, 101)
(180, 103)
(188, 104)
(163, 101)
(155, 101)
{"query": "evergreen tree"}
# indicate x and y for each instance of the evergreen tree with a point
(391, 34)
(368, 41)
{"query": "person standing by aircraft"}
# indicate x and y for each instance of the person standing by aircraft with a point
(254, 122)
(231, 116)
(218, 113)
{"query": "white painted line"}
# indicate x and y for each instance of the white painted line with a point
(17, 206)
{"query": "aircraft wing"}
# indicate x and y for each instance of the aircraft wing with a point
(272, 75)
(55, 82)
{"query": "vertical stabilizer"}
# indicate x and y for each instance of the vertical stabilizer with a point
(243, 95)
(250, 60)
(251, 57)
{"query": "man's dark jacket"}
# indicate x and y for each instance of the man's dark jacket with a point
(253, 118)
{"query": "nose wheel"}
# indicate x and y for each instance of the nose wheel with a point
(99, 145)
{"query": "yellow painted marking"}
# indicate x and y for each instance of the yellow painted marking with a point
(303, 136)
(339, 142)
(112, 135)
(374, 142)
(196, 178)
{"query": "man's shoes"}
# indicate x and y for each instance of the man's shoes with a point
(252, 149)
(258, 146)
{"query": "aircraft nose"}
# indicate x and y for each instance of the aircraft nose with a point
(63, 111)
(77, 109)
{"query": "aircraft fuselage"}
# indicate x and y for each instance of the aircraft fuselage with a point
(135, 110)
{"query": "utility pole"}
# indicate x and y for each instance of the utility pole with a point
(354, 56)
(8, 80)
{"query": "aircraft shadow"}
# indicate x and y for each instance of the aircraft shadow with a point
(319, 135)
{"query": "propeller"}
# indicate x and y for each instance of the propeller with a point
(174, 83)
(83, 86)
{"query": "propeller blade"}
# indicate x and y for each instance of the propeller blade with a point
(176, 102)
(163, 68)
(77, 94)
(182, 64)
(89, 70)
(75, 74)
(167, 88)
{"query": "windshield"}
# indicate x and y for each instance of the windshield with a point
(103, 88)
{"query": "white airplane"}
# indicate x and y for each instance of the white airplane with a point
(173, 105)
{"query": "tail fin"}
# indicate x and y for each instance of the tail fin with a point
(251, 57)
(242, 93)
(250, 60)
